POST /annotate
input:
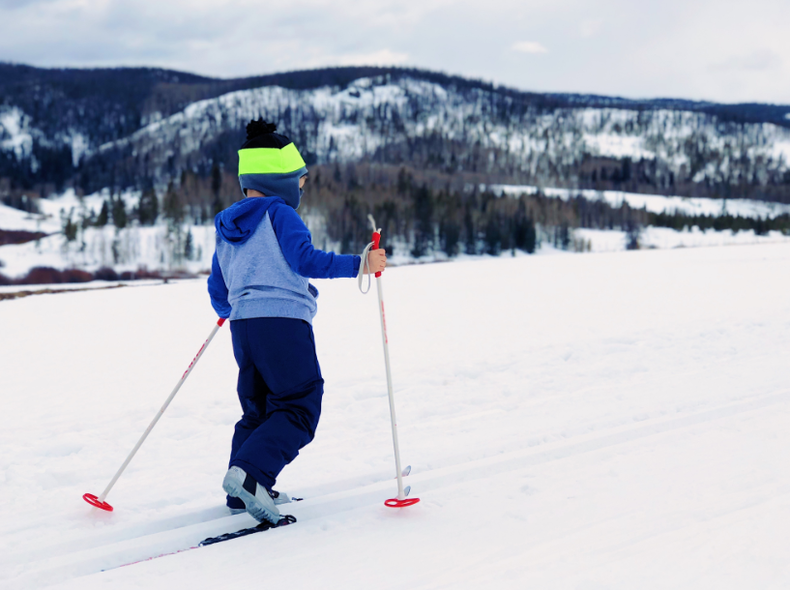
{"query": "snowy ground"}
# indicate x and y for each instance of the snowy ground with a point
(664, 237)
(655, 203)
(574, 422)
(157, 248)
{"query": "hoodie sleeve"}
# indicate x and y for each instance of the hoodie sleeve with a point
(217, 290)
(297, 247)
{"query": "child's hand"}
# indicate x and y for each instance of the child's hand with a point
(377, 261)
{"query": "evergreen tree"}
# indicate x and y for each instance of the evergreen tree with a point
(493, 235)
(69, 228)
(423, 221)
(470, 231)
(104, 215)
(119, 216)
(217, 203)
(173, 207)
(404, 181)
(148, 210)
(188, 246)
(449, 236)
(449, 226)
(524, 234)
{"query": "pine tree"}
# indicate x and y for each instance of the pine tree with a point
(148, 209)
(449, 226)
(188, 246)
(104, 215)
(217, 204)
(493, 235)
(119, 216)
(69, 228)
(524, 234)
(423, 221)
(172, 207)
(470, 231)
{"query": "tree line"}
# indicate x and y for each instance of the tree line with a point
(422, 211)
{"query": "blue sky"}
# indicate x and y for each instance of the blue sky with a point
(700, 49)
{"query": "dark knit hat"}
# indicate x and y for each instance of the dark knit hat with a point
(270, 163)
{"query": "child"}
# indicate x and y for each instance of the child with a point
(259, 279)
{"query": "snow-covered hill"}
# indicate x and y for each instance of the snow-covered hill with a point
(381, 119)
(614, 421)
(421, 119)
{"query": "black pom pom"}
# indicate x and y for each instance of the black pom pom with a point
(259, 127)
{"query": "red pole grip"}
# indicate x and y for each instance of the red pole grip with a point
(376, 241)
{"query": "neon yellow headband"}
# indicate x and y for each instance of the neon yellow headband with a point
(270, 160)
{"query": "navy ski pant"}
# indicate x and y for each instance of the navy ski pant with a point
(280, 389)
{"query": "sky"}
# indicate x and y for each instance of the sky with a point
(723, 50)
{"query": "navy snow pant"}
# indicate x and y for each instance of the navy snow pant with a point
(280, 389)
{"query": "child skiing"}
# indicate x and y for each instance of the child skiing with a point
(259, 279)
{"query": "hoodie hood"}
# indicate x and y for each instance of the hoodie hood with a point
(237, 223)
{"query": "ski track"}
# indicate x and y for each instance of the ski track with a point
(170, 536)
(659, 354)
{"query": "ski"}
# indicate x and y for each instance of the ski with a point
(285, 520)
(264, 526)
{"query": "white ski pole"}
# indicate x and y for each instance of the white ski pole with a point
(99, 502)
(401, 501)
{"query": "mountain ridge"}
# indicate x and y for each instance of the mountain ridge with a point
(135, 127)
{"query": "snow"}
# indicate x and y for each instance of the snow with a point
(154, 247)
(43, 289)
(14, 219)
(14, 132)
(124, 250)
(80, 146)
(781, 149)
(655, 203)
(52, 210)
(354, 122)
(617, 146)
(574, 422)
(663, 237)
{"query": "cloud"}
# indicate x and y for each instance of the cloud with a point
(529, 47)
(384, 57)
(318, 57)
(704, 49)
(590, 28)
(757, 61)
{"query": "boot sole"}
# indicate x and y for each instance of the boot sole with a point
(255, 507)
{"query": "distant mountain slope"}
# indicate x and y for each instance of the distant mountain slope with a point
(137, 127)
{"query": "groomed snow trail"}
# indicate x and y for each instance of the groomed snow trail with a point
(579, 421)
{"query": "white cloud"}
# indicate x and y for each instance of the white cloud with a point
(384, 57)
(590, 28)
(529, 47)
(725, 50)
(317, 57)
(756, 61)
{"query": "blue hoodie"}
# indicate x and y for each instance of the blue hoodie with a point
(263, 260)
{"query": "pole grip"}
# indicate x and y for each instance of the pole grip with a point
(376, 240)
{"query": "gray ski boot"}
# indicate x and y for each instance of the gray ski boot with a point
(256, 498)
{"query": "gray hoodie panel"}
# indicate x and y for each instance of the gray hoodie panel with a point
(260, 281)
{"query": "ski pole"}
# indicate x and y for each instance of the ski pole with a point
(401, 501)
(99, 502)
